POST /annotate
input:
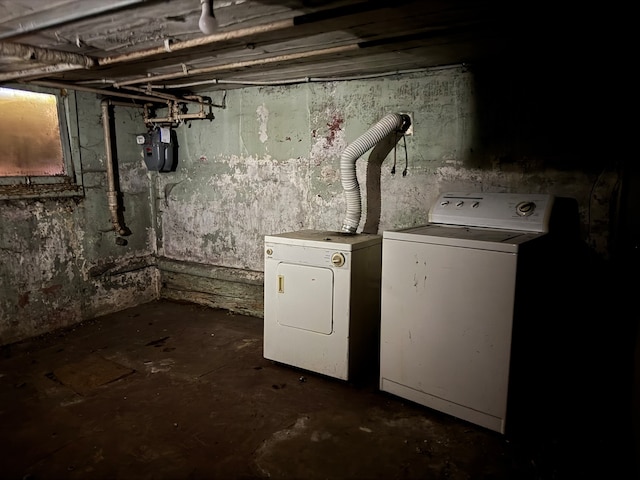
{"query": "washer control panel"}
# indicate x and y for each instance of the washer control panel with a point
(509, 211)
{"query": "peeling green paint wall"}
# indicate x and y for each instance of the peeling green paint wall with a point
(269, 163)
(59, 262)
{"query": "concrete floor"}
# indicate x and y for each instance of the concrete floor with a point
(179, 391)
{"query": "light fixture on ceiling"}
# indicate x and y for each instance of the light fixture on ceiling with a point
(207, 23)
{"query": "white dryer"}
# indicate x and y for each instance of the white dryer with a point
(451, 292)
(322, 301)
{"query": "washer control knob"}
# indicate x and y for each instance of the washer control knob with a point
(337, 259)
(459, 203)
(524, 209)
(269, 251)
(475, 204)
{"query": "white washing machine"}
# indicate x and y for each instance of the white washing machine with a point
(452, 291)
(322, 301)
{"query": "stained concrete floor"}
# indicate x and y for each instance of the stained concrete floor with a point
(179, 391)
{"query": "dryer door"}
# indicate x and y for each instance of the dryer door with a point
(305, 297)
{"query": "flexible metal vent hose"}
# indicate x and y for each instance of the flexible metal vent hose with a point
(388, 124)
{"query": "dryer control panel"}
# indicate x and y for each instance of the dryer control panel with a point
(319, 257)
(508, 211)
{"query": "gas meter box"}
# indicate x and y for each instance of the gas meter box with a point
(159, 149)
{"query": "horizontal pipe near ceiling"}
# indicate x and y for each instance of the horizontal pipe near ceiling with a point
(249, 63)
(107, 93)
(33, 73)
(319, 16)
(197, 42)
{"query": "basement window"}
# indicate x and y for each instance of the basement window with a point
(38, 157)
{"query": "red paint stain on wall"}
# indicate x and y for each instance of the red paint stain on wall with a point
(334, 127)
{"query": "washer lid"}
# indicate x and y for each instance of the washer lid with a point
(461, 236)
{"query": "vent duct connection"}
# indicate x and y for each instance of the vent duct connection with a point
(393, 122)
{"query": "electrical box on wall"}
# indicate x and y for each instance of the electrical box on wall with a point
(159, 149)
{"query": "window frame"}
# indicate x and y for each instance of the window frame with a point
(67, 185)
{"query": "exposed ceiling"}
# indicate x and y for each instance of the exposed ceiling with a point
(137, 47)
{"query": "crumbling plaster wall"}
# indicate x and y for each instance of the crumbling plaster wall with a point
(59, 262)
(269, 163)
